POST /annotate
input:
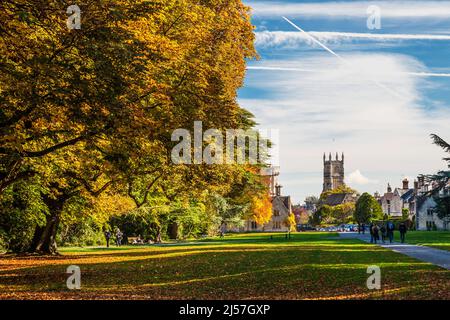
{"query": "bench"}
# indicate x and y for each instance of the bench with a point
(135, 240)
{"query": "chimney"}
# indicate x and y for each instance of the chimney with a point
(405, 184)
(416, 185)
(278, 190)
(421, 180)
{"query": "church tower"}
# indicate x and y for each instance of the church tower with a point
(333, 172)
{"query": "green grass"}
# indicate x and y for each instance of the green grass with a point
(249, 266)
(436, 239)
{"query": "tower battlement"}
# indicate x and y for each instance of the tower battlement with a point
(333, 172)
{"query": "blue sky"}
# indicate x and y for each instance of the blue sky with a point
(378, 104)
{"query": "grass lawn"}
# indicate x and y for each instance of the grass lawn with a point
(250, 266)
(437, 239)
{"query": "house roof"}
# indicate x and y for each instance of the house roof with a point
(387, 196)
(286, 200)
(408, 195)
(335, 199)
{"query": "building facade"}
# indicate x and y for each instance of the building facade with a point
(281, 207)
(426, 214)
(333, 172)
(391, 202)
(420, 202)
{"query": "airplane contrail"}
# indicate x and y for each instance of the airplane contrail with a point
(393, 92)
(276, 68)
(268, 36)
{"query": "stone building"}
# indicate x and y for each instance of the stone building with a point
(391, 202)
(340, 198)
(419, 201)
(281, 207)
(426, 215)
(333, 178)
(333, 172)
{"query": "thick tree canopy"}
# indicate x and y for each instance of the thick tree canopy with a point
(367, 209)
(91, 110)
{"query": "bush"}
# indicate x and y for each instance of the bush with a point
(80, 233)
(21, 210)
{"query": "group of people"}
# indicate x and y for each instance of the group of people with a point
(118, 238)
(386, 230)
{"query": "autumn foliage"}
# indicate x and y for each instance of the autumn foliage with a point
(90, 112)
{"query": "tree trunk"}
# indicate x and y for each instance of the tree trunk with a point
(44, 240)
(173, 231)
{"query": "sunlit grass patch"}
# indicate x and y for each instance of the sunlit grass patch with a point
(242, 266)
(436, 239)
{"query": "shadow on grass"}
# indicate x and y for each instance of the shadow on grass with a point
(240, 269)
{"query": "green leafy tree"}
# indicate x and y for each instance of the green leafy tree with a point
(343, 213)
(442, 180)
(405, 213)
(323, 215)
(341, 189)
(367, 209)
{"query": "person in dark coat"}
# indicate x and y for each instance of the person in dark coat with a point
(363, 226)
(390, 231)
(375, 233)
(383, 231)
(107, 236)
(402, 229)
(371, 232)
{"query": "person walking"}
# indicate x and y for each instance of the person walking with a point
(363, 226)
(371, 232)
(383, 233)
(375, 233)
(390, 231)
(107, 236)
(119, 236)
(402, 228)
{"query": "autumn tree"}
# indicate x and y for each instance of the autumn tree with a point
(83, 109)
(290, 222)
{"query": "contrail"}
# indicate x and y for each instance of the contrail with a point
(339, 57)
(315, 40)
(328, 35)
(275, 68)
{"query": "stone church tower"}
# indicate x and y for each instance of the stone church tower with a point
(333, 172)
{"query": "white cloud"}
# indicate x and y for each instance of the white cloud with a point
(295, 39)
(391, 9)
(341, 109)
(357, 178)
(295, 69)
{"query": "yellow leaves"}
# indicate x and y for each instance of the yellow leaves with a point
(290, 222)
(107, 205)
(261, 209)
